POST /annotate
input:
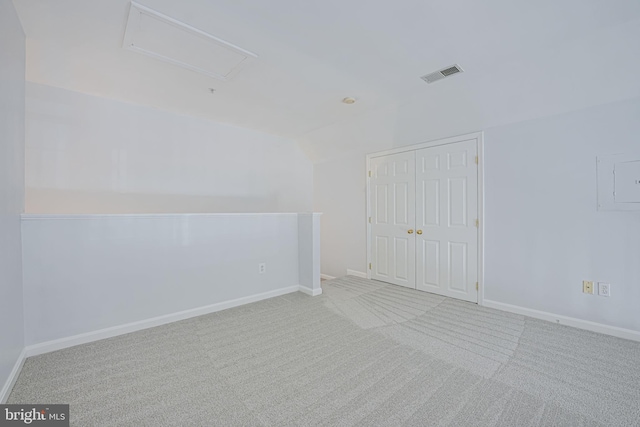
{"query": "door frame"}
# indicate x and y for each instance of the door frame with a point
(479, 137)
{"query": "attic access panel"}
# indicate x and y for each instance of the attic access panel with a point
(166, 39)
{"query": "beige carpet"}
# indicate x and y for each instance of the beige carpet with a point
(362, 354)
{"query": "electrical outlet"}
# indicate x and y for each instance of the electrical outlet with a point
(587, 287)
(262, 267)
(604, 289)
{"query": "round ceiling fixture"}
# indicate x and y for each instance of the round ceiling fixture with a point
(349, 100)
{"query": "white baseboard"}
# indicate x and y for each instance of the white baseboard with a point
(356, 273)
(46, 347)
(13, 376)
(326, 277)
(628, 334)
(309, 291)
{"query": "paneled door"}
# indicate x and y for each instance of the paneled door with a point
(446, 215)
(393, 244)
(424, 217)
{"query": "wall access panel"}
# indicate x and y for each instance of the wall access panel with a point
(619, 182)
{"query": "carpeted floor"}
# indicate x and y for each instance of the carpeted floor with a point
(364, 353)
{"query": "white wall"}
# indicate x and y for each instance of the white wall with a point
(543, 233)
(340, 194)
(563, 76)
(309, 252)
(86, 154)
(12, 69)
(86, 273)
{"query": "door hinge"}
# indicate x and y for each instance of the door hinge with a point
(369, 220)
(477, 223)
(476, 160)
(369, 266)
(477, 286)
(369, 173)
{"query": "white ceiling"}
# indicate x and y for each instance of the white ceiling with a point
(313, 54)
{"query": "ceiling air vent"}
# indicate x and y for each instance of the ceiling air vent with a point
(441, 74)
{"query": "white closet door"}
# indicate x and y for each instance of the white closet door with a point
(446, 213)
(392, 188)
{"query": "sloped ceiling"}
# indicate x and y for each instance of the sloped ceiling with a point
(522, 59)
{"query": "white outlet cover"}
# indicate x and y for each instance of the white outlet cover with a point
(262, 267)
(604, 289)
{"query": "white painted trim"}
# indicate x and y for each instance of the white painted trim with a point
(46, 347)
(326, 277)
(615, 331)
(480, 172)
(357, 274)
(369, 215)
(479, 137)
(432, 143)
(13, 377)
(33, 217)
(309, 291)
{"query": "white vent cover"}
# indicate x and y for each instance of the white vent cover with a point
(162, 37)
(441, 74)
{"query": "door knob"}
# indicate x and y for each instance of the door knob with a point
(410, 231)
(419, 231)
